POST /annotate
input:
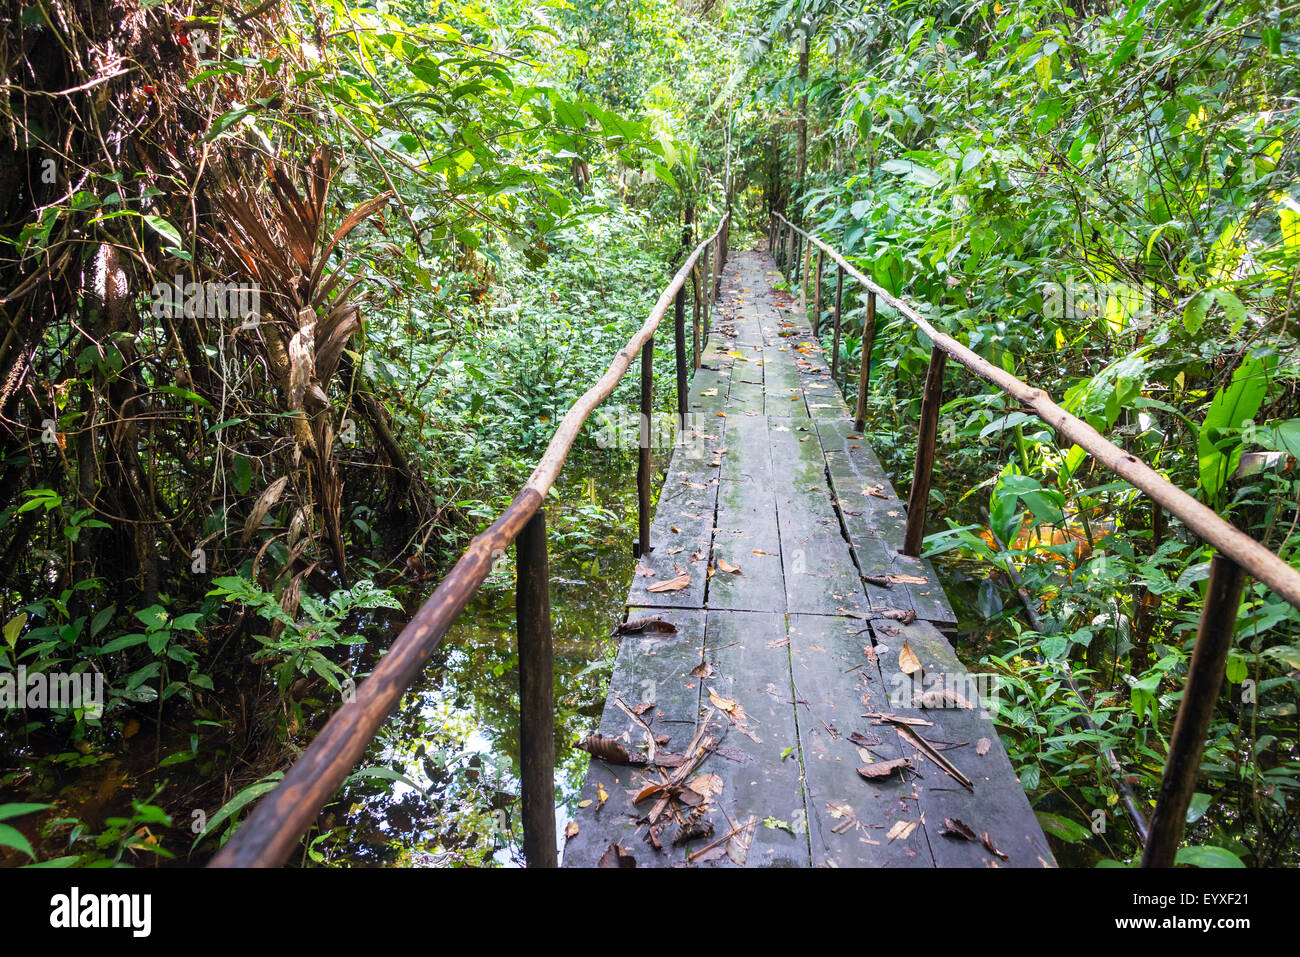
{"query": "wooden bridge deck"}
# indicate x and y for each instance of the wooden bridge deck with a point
(760, 700)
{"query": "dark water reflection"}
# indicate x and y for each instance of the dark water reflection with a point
(455, 737)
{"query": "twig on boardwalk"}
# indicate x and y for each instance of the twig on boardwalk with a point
(650, 737)
(726, 837)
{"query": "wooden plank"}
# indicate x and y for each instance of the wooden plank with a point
(820, 576)
(747, 534)
(849, 818)
(759, 767)
(997, 805)
(682, 526)
(654, 669)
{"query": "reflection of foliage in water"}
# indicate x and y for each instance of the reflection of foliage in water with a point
(455, 737)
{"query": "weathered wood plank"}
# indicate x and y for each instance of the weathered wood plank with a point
(997, 806)
(849, 818)
(654, 669)
(759, 766)
(747, 534)
(820, 576)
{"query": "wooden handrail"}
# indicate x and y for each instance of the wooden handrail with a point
(1254, 557)
(281, 818)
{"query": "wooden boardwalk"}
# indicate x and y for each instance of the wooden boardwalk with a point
(767, 700)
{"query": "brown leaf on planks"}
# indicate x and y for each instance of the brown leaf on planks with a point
(953, 827)
(651, 623)
(673, 584)
(878, 770)
(571, 830)
(726, 566)
(904, 615)
(982, 746)
(908, 579)
(607, 749)
(941, 698)
(862, 740)
(876, 491)
(908, 661)
(702, 670)
(881, 581)
(645, 572)
(707, 786)
(988, 842)
(615, 856)
(693, 829)
(642, 708)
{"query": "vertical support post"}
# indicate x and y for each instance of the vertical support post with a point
(715, 284)
(536, 694)
(839, 301)
(789, 252)
(928, 432)
(642, 544)
(1204, 680)
(697, 305)
(679, 342)
(803, 277)
(864, 370)
(817, 296)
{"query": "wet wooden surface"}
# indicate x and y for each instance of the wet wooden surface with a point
(777, 672)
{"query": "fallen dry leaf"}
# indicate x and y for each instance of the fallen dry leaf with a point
(607, 749)
(706, 785)
(982, 746)
(726, 566)
(721, 703)
(615, 856)
(570, 830)
(908, 579)
(702, 670)
(877, 770)
(904, 615)
(988, 842)
(940, 698)
(673, 584)
(953, 827)
(908, 661)
(652, 623)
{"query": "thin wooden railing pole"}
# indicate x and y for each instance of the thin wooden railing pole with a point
(536, 694)
(927, 434)
(817, 297)
(642, 544)
(864, 369)
(839, 302)
(1200, 695)
(679, 345)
